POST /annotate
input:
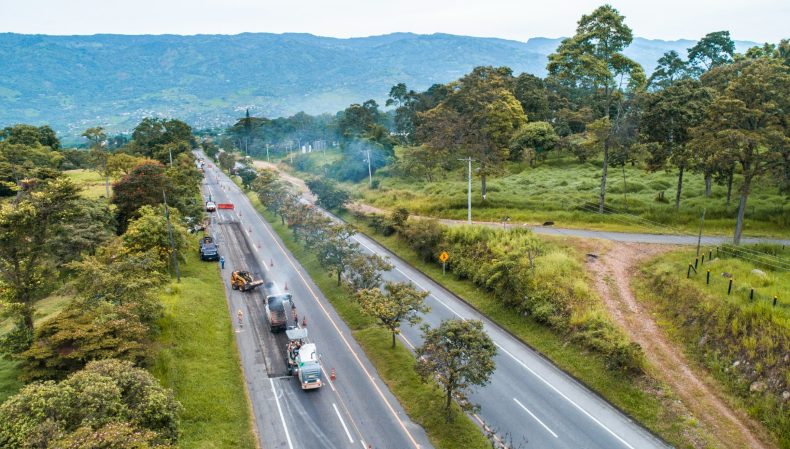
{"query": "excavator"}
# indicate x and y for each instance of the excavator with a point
(241, 280)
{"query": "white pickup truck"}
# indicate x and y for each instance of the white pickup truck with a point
(210, 206)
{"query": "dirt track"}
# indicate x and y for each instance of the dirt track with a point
(720, 424)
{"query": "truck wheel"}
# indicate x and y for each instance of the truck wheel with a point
(234, 286)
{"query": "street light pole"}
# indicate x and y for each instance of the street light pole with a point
(172, 244)
(370, 173)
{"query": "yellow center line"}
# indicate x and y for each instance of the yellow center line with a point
(304, 281)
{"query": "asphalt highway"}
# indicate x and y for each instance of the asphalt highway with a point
(528, 399)
(354, 410)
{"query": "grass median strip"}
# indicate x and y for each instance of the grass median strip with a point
(422, 402)
(197, 357)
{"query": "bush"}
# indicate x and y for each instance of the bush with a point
(424, 237)
(105, 393)
(67, 342)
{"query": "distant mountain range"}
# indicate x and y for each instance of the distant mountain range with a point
(76, 82)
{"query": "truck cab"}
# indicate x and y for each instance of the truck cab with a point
(280, 309)
(210, 206)
(302, 359)
(309, 369)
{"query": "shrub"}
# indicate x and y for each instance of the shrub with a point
(104, 394)
(67, 342)
(424, 237)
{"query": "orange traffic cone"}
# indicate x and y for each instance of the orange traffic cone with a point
(259, 243)
(304, 321)
(271, 264)
(286, 286)
(333, 373)
(239, 213)
(250, 228)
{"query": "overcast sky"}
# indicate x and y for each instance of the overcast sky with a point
(754, 20)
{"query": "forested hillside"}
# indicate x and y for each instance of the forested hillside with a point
(75, 82)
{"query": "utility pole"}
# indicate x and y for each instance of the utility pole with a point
(469, 190)
(370, 173)
(171, 157)
(172, 244)
(699, 240)
(267, 152)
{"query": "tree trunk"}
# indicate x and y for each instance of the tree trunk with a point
(393, 340)
(625, 190)
(708, 183)
(282, 218)
(107, 185)
(338, 278)
(449, 399)
(603, 176)
(747, 180)
(680, 187)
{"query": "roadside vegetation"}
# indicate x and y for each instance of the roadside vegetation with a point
(89, 313)
(741, 338)
(423, 402)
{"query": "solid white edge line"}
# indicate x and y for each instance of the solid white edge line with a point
(563, 395)
(282, 418)
(536, 418)
(343, 422)
(518, 361)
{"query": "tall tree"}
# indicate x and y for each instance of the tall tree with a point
(670, 69)
(459, 354)
(482, 117)
(142, 186)
(714, 50)
(26, 230)
(747, 125)
(100, 154)
(401, 302)
(667, 119)
(592, 60)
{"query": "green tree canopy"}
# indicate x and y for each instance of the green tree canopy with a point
(401, 302)
(667, 119)
(105, 393)
(592, 61)
(747, 125)
(459, 354)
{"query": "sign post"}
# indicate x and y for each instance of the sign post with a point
(444, 258)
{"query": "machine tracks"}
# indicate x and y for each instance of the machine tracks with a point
(272, 345)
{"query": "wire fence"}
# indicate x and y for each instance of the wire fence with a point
(735, 288)
(700, 268)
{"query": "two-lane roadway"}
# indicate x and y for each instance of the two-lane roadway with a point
(354, 410)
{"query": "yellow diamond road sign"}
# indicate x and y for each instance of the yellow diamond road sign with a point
(444, 257)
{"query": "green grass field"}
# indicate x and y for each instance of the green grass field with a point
(92, 183)
(422, 402)
(557, 189)
(198, 358)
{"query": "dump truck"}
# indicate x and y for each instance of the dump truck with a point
(241, 280)
(279, 310)
(302, 359)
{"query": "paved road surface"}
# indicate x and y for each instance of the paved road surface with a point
(529, 398)
(355, 410)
